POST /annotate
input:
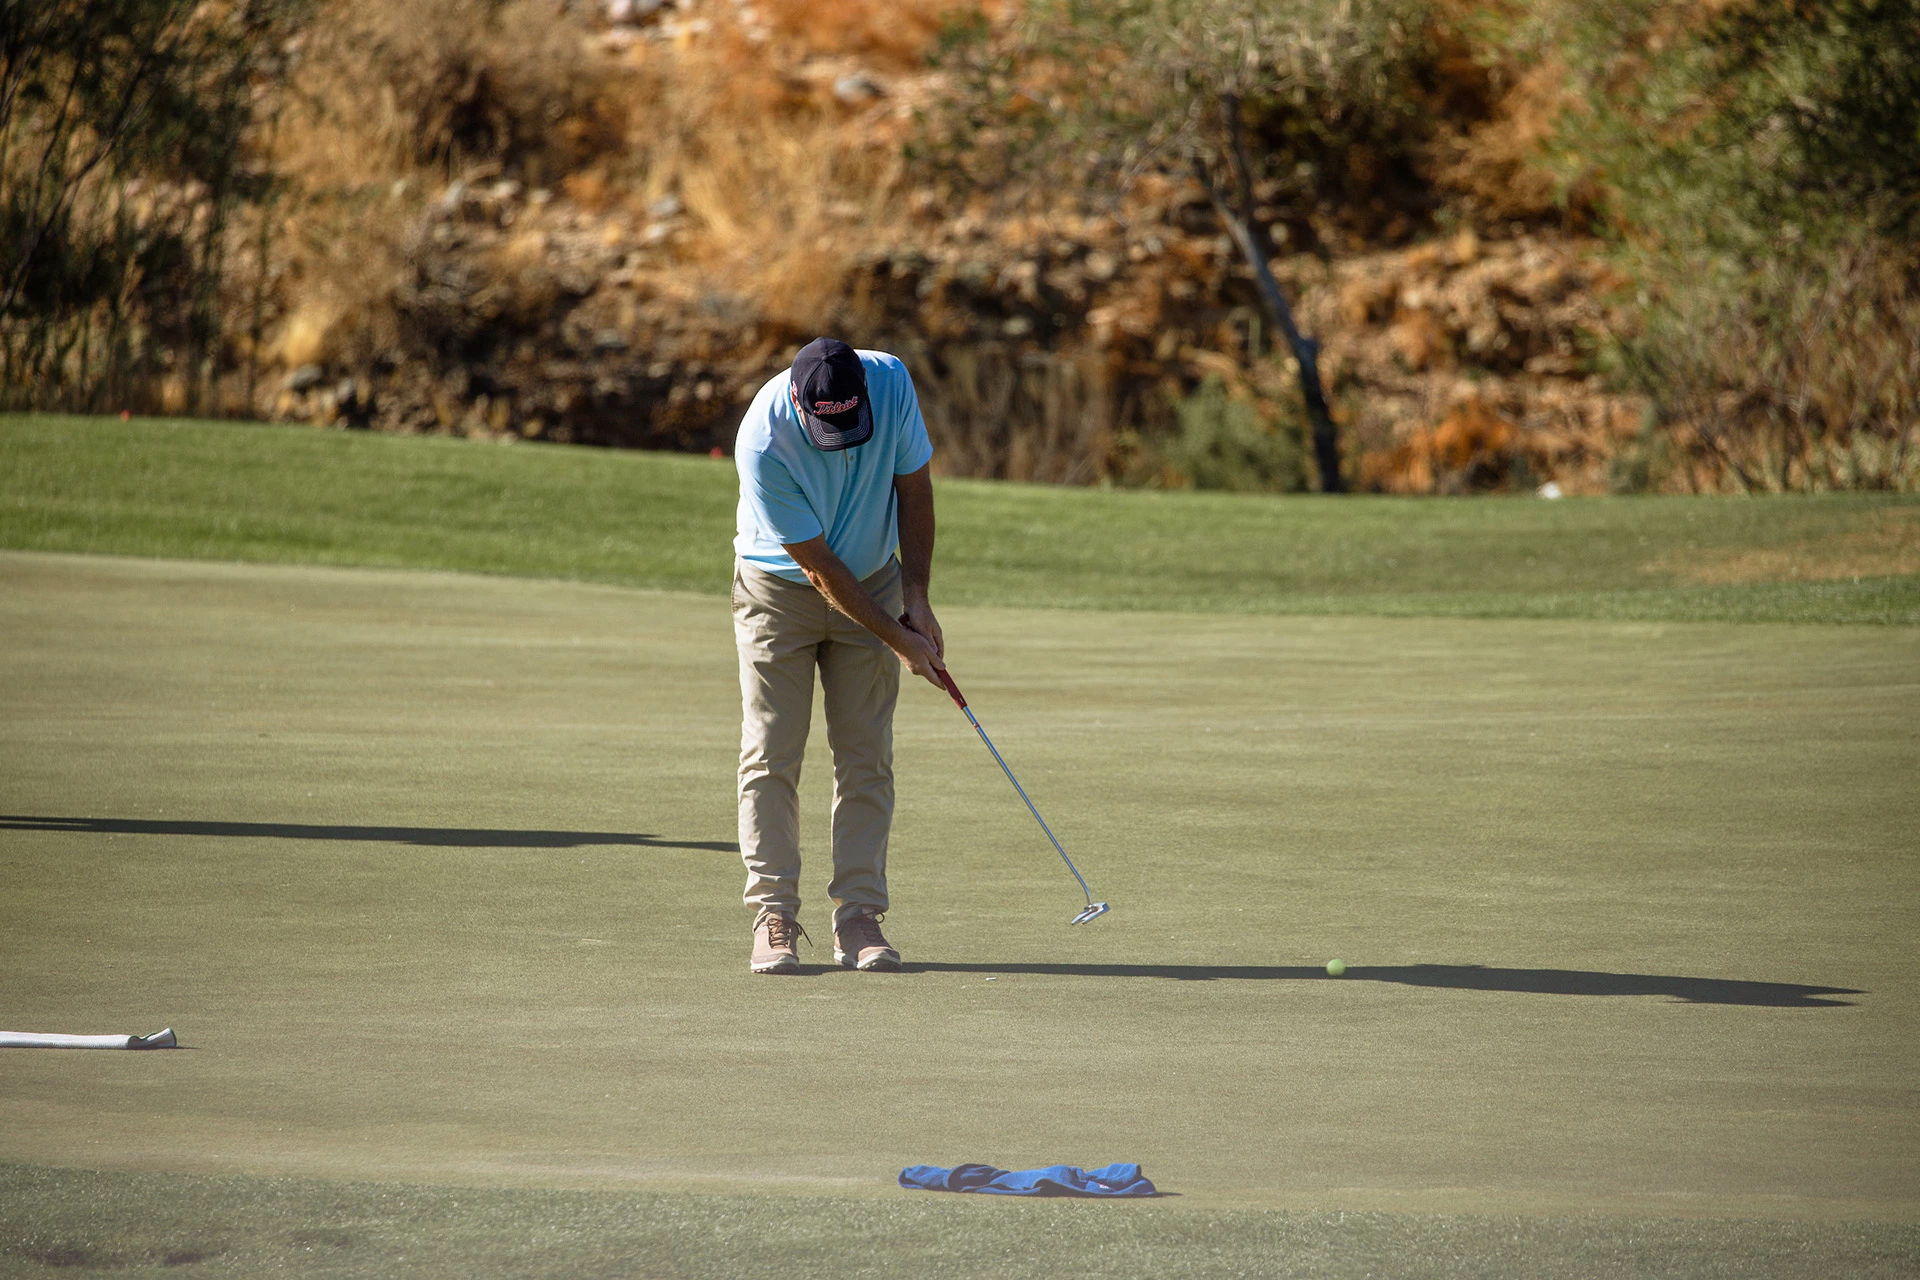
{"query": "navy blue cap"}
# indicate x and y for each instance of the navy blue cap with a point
(828, 386)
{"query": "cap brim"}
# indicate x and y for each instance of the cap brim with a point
(825, 435)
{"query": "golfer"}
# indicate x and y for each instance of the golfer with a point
(833, 458)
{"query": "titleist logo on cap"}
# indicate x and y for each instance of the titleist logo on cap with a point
(836, 406)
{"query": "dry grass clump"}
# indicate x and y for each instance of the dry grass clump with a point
(770, 180)
(384, 104)
(1798, 373)
(502, 203)
(1497, 166)
(442, 84)
(889, 35)
(993, 411)
(781, 131)
(781, 191)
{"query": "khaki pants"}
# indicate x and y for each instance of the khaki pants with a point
(784, 630)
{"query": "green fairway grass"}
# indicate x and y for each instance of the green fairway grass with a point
(289, 494)
(434, 874)
(146, 1224)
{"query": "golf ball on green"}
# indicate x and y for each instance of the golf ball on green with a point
(1336, 967)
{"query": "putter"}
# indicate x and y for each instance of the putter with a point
(1093, 909)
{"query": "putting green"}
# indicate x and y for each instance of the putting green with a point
(435, 874)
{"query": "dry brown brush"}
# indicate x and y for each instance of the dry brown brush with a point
(611, 223)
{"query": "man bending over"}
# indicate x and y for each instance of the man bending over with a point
(833, 459)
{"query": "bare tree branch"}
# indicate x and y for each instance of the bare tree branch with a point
(67, 185)
(1306, 352)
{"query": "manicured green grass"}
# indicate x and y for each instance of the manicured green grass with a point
(286, 494)
(434, 875)
(54, 1221)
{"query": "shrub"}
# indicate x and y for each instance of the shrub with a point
(1220, 443)
(122, 162)
(1760, 163)
(1800, 371)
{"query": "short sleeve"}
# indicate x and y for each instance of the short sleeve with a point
(912, 447)
(779, 507)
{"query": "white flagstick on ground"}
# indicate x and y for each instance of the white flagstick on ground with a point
(50, 1040)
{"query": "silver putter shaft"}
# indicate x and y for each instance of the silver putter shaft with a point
(1092, 909)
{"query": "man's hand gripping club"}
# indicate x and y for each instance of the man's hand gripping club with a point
(919, 643)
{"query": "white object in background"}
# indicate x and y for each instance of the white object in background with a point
(1551, 490)
(48, 1040)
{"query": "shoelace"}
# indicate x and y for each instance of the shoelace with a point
(782, 930)
(867, 926)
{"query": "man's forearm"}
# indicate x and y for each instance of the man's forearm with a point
(916, 638)
(915, 505)
(843, 591)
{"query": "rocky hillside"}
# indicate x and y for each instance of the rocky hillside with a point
(609, 223)
(637, 300)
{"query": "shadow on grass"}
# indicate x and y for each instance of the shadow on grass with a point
(1460, 977)
(449, 837)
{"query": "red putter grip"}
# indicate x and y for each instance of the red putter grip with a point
(953, 690)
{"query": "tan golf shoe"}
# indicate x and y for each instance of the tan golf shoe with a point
(776, 943)
(859, 944)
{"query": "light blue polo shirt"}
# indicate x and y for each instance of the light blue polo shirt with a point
(792, 492)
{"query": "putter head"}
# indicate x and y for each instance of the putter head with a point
(1093, 910)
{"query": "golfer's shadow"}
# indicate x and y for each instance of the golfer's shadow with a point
(445, 837)
(1460, 977)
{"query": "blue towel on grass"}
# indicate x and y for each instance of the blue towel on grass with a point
(1055, 1180)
